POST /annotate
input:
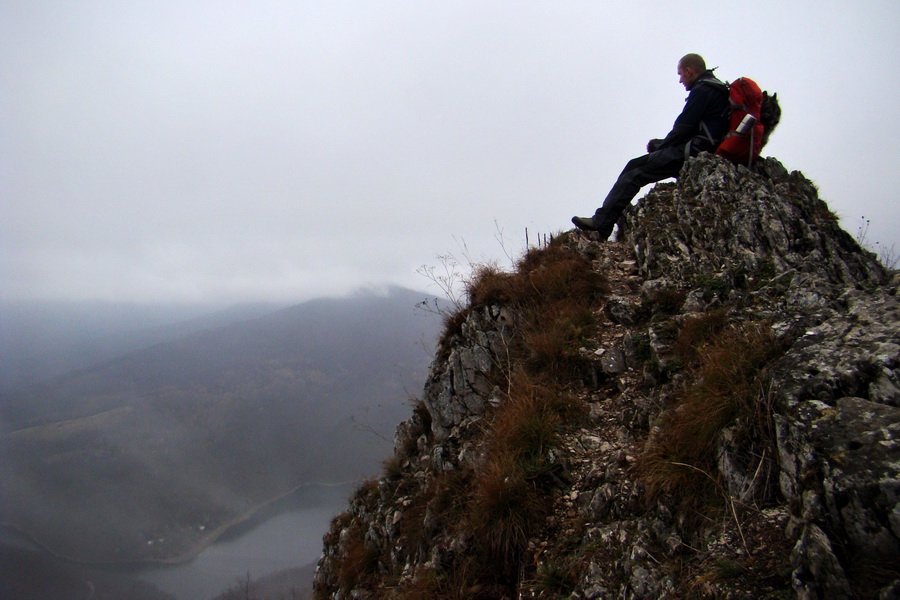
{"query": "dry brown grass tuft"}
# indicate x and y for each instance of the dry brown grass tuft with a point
(358, 561)
(697, 332)
(439, 507)
(457, 584)
(504, 511)
(554, 292)
(542, 277)
(453, 322)
(492, 285)
(560, 275)
(509, 498)
(666, 301)
(527, 425)
(680, 458)
(497, 504)
(551, 345)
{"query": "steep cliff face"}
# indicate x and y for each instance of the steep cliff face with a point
(708, 407)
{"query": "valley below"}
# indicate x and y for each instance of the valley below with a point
(281, 540)
(171, 453)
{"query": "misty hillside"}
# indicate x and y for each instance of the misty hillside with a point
(146, 456)
(708, 407)
(307, 337)
(43, 340)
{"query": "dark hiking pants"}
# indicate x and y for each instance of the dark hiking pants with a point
(639, 171)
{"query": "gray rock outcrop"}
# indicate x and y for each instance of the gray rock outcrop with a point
(801, 482)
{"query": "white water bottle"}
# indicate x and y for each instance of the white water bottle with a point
(747, 124)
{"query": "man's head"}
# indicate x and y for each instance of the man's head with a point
(690, 67)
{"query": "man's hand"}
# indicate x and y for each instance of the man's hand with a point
(652, 145)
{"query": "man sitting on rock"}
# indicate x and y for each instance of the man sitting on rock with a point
(700, 127)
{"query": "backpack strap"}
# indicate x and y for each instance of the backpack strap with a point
(723, 87)
(715, 83)
(706, 133)
(720, 86)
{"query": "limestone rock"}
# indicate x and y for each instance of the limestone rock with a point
(458, 386)
(802, 507)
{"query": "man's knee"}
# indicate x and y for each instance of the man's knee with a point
(636, 163)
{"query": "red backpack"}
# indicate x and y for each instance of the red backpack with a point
(744, 140)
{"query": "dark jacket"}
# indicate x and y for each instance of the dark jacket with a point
(707, 104)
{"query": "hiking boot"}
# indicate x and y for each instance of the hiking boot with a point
(605, 231)
(584, 223)
(589, 224)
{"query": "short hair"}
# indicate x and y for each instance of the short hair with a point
(694, 62)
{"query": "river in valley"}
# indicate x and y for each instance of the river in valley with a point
(285, 535)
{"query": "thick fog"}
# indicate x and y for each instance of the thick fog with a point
(280, 150)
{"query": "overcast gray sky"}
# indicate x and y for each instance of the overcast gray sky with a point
(224, 150)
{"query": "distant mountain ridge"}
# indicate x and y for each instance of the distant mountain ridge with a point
(204, 351)
(43, 340)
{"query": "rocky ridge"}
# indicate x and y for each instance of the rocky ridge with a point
(725, 425)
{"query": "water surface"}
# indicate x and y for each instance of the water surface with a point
(288, 534)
